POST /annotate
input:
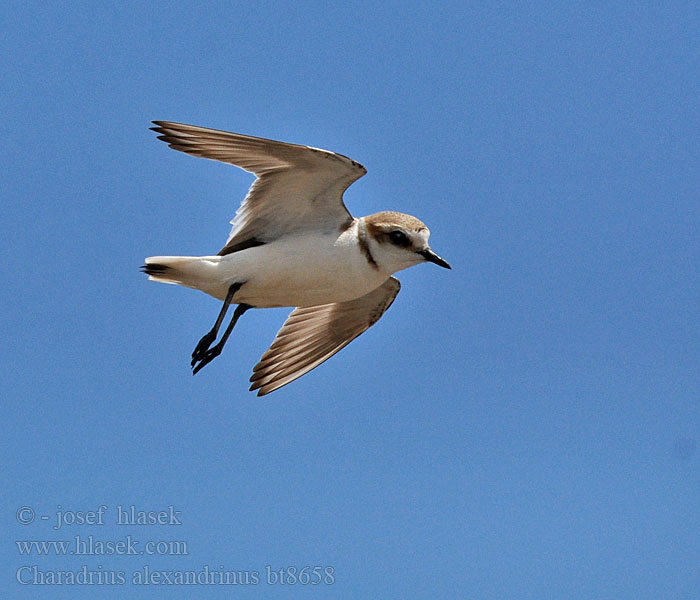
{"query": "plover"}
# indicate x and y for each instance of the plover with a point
(294, 243)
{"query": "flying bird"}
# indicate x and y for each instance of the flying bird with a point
(294, 243)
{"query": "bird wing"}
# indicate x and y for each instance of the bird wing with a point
(313, 334)
(297, 188)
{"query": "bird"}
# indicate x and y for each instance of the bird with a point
(293, 243)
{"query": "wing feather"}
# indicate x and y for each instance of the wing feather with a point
(297, 187)
(312, 334)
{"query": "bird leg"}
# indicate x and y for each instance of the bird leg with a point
(209, 337)
(206, 357)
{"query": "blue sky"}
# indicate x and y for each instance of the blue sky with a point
(523, 426)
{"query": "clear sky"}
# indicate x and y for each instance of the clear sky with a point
(525, 426)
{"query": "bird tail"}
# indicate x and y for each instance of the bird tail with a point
(197, 272)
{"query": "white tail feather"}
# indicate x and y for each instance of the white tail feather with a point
(198, 272)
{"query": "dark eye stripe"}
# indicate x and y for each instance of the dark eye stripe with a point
(399, 238)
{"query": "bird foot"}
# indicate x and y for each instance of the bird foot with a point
(205, 358)
(203, 347)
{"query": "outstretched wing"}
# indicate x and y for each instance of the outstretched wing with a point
(313, 334)
(297, 188)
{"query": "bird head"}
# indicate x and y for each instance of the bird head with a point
(397, 241)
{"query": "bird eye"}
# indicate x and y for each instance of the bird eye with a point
(399, 238)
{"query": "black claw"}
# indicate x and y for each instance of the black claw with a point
(207, 357)
(203, 346)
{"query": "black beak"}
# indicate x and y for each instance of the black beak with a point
(430, 256)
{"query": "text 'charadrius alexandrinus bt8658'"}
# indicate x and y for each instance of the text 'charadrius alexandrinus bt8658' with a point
(294, 243)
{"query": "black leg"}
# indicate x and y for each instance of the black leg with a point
(206, 357)
(209, 338)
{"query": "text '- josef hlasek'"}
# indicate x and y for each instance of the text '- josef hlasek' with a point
(120, 515)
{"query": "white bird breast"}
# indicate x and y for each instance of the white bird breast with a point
(303, 270)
